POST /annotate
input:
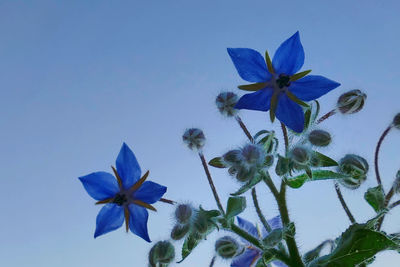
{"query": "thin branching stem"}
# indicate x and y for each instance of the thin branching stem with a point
(344, 205)
(259, 212)
(394, 204)
(244, 128)
(378, 146)
(211, 183)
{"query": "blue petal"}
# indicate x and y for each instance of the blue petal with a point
(259, 100)
(138, 221)
(312, 87)
(247, 226)
(279, 264)
(249, 64)
(275, 223)
(290, 113)
(127, 166)
(110, 218)
(150, 192)
(247, 258)
(289, 57)
(100, 185)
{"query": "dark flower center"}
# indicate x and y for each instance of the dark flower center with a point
(120, 199)
(283, 81)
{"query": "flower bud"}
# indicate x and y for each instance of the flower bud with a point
(227, 247)
(244, 174)
(179, 231)
(200, 223)
(233, 157)
(194, 138)
(162, 252)
(319, 138)
(183, 213)
(226, 102)
(282, 166)
(351, 102)
(253, 154)
(396, 121)
(269, 160)
(300, 155)
(354, 166)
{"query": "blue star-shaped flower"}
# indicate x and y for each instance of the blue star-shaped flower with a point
(126, 196)
(278, 87)
(252, 254)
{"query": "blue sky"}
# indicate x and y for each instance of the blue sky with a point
(78, 78)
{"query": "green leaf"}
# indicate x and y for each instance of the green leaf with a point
(191, 241)
(355, 246)
(250, 184)
(252, 87)
(322, 160)
(273, 238)
(375, 197)
(217, 163)
(235, 206)
(298, 181)
(314, 253)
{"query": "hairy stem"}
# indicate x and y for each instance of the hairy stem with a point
(327, 115)
(244, 128)
(386, 203)
(259, 212)
(344, 205)
(213, 261)
(394, 204)
(167, 201)
(285, 137)
(210, 181)
(378, 146)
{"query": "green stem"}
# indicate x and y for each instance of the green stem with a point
(244, 128)
(259, 212)
(378, 146)
(285, 137)
(242, 233)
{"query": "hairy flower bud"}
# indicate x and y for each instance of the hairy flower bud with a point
(253, 154)
(300, 155)
(396, 121)
(226, 102)
(162, 252)
(319, 138)
(244, 174)
(354, 166)
(183, 213)
(227, 247)
(179, 231)
(351, 102)
(200, 223)
(233, 157)
(194, 138)
(269, 160)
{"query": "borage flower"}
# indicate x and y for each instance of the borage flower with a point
(252, 254)
(125, 195)
(278, 87)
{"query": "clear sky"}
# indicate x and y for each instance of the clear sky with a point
(78, 78)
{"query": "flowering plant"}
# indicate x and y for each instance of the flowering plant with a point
(290, 96)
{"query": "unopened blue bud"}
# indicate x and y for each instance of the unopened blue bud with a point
(233, 157)
(226, 102)
(163, 252)
(253, 154)
(396, 121)
(351, 102)
(356, 168)
(194, 138)
(179, 231)
(183, 213)
(300, 155)
(319, 138)
(227, 247)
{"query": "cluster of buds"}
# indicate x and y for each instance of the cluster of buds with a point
(245, 162)
(356, 168)
(183, 217)
(161, 254)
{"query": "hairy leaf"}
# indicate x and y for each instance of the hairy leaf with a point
(298, 181)
(375, 197)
